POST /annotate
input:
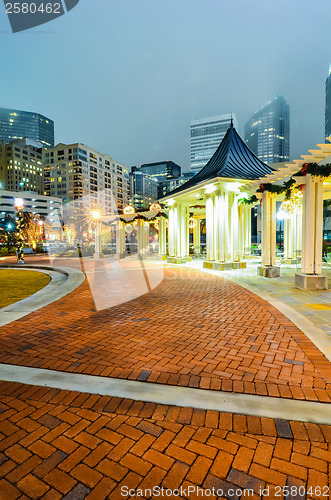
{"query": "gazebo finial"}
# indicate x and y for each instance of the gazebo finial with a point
(231, 123)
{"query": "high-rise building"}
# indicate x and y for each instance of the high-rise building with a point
(75, 170)
(267, 133)
(16, 124)
(143, 189)
(21, 166)
(206, 136)
(328, 105)
(162, 172)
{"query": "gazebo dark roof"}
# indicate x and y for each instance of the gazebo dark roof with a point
(233, 160)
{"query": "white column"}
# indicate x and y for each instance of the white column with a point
(247, 235)
(210, 227)
(243, 236)
(222, 208)
(268, 209)
(145, 239)
(140, 236)
(171, 233)
(235, 255)
(184, 231)
(120, 239)
(197, 236)
(298, 234)
(312, 225)
(97, 249)
(162, 236)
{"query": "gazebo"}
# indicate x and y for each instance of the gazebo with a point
(225, 190)
(217, 193)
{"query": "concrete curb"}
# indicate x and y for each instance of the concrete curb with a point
(64, 280)
(259, 406)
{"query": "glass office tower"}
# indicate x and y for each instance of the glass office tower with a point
(267, 133)
(206, 136)
(15, 124)
(328, 105)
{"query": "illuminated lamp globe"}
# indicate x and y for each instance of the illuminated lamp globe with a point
(128, 228)
(128, 210)
(155, 207)
(192, 223)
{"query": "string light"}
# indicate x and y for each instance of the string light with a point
(293, 205)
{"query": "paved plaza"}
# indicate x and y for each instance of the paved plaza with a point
(194, 330)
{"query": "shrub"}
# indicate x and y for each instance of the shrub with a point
(4, 252)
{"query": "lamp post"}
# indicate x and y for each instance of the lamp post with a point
(96, 216)
(19, 204)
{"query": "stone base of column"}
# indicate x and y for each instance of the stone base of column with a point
(178, 260)
(311, 281)
(98, 255)
(119, 255)
(268, 271)
(161, 257)
(223, 266)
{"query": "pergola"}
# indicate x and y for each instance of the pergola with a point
(221, 193)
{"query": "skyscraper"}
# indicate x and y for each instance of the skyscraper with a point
(328, 105)
(206, 136)
(15, 124)
(267, 133)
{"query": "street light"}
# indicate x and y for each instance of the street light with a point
(19, 204)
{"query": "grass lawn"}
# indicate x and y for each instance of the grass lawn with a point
(17, 285)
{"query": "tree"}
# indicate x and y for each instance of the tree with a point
(33, 229)
(69, 232)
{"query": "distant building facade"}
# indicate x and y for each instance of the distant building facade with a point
(206, 136)
(143, 189)
(267, 133)
(21, 166)
(16, 124)
(328, 105)
(163, 172)
(169, 185)
(49, 208)
(76, 170)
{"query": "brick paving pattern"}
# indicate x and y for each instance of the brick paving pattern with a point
(193, 330)
(68, 445)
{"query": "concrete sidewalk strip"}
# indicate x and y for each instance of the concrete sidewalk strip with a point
(260, 406)
(63, 281)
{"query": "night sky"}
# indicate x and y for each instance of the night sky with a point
(126, 77)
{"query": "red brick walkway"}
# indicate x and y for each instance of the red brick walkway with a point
(193, 330)
(60, 444)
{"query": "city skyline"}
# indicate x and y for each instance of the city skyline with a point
(142, 89)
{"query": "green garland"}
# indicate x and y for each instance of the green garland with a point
(136, 216)
(248, 201)
(317, 170)
(286, 188)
